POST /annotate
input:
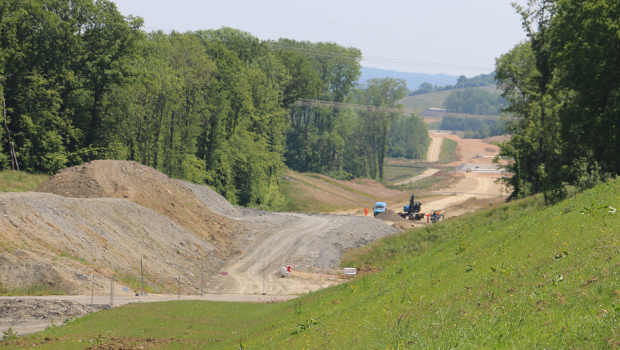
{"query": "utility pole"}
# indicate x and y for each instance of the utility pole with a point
(92, 288)
(14, 162)
(141, 278)
(202, 277)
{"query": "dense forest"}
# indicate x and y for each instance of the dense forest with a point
(563, 88)
(80, 81)
(462, 82)
(474, 128)
(474, 101)
(352, 140)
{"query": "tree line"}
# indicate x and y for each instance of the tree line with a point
(80, 81)
(563, 87)
(353, 141)
(462, 82)
(474, 101)
(474, 128)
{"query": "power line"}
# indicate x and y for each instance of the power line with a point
(318, 52)
(323, 103)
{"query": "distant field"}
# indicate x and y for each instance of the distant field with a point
(316, 193)
(448, 151)
(419, 103)
(394, 172)
(19, 181)
(520, 276)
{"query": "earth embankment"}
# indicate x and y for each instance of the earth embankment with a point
(103, 219)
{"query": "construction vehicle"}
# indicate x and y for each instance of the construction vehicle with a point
(413, 210)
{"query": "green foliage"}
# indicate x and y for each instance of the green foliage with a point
(474, 128)
(462, 82)
(448, 153)
(523, 275)
(563, 87)
(408, 138)
(474, 101)
(9, 335)
(19, 181)
(349, 142)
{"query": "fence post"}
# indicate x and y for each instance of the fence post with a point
(92, 288)
(202, 277)
(141, 278)
(179, 287)
(111, 291)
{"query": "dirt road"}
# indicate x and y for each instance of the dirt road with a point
(312, 244)
(434, 149)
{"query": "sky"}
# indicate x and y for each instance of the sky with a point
(422, 36)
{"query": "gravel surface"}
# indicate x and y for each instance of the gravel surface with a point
(100, 219)
(25, 315)
(308, 243)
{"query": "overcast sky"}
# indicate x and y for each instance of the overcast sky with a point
(428, 36)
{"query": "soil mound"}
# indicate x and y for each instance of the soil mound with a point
(147, 187)
(55, 244)
(215, 201)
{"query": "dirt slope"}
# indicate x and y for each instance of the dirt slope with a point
(312, 244)
(56, 243)
(145, 186)
(434, 149)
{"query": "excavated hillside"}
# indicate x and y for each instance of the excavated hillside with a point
(99, 219)
(103, 218)
(145, 186)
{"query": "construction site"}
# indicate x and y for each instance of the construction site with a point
(107, 233)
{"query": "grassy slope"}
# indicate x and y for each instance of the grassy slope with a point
(18, 181)
(419, 103)
(312, 193)
(395, 172)
(518, 276)
(448, 152)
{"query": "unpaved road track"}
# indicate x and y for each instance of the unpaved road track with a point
(312, 244)
(434, 149)
(471, 185)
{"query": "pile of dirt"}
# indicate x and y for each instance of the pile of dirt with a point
(215, 201)
(147, 187)
(36, 312)
(55, 244)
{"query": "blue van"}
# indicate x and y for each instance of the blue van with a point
(380, 207)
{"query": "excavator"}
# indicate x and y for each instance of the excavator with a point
(413, 211)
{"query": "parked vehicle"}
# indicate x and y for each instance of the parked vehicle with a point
(380, 207)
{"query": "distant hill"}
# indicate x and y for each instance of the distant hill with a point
(413, 80)
(418, 103)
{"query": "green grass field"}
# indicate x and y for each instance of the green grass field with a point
(419, 103)
(520, 276)
(393, 172)
(19, 181)
(448, 153)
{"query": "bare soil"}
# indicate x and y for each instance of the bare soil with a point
(434, 149)
(147, 187)
(99, 220)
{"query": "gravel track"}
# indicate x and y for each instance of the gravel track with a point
(312, 244)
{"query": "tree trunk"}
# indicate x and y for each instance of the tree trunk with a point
(13, 155)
